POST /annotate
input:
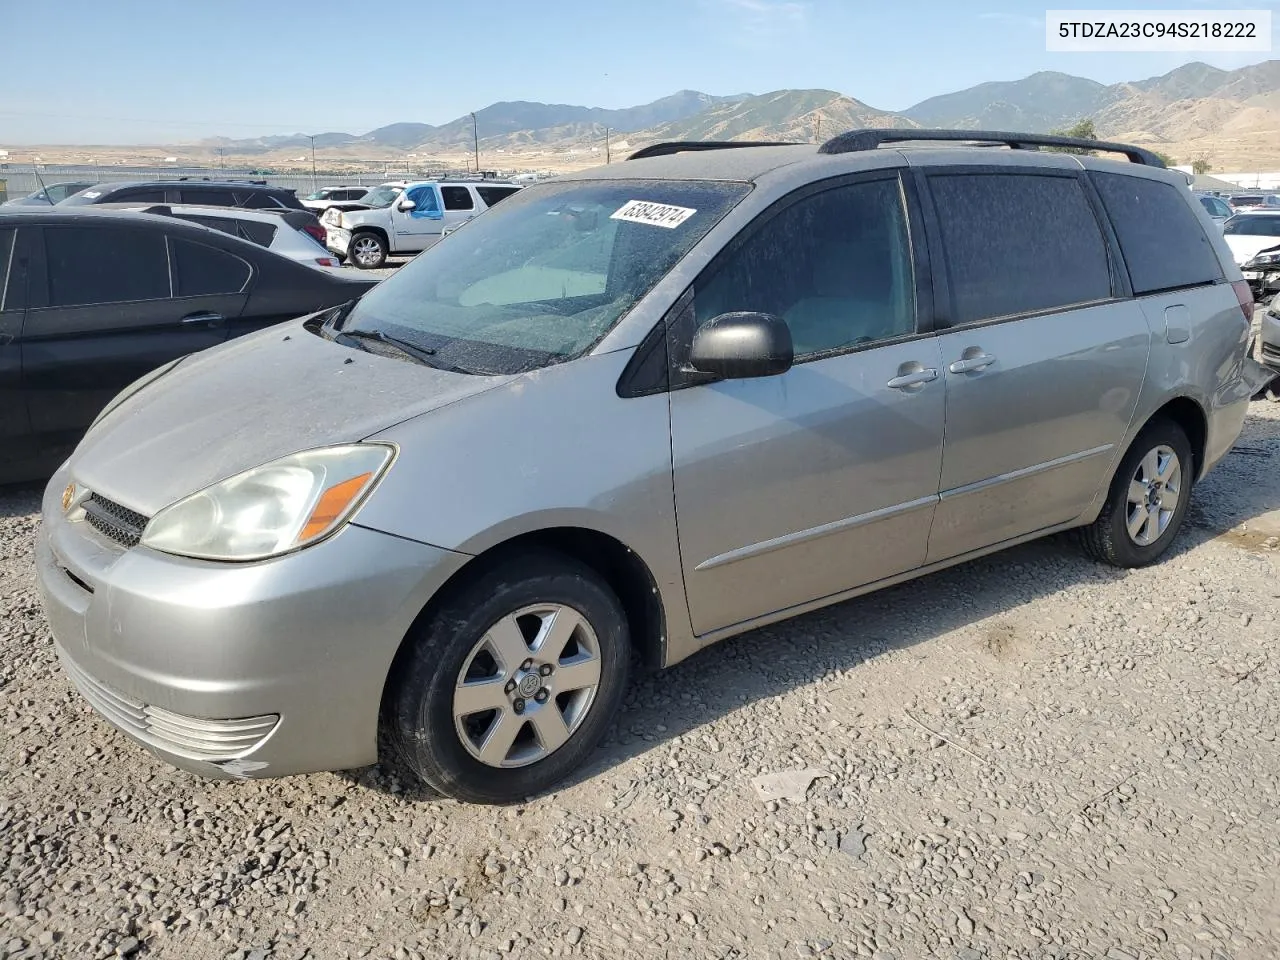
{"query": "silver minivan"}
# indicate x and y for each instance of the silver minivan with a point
(638, 409)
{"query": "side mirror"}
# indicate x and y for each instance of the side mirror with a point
(735, 346)
(405, 206)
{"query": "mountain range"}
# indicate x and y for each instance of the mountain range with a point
(1195, 108)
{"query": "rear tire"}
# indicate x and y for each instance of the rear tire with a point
(507, 686)
(1138, 523)
(367, 251)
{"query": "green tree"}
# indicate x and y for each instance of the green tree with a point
(1200, 166)
(1083, 130)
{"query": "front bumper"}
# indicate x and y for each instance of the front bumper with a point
(1262, 282)
(1269, 338)
(236, 670)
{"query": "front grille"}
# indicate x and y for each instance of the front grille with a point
(113, 521)
(1271, 354)
(191, 737)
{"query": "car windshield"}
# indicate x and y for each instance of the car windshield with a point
(545, 274)
(1265, 226)
(381, 196)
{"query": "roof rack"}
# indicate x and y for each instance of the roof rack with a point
(858, 140)
(260, 183)
(683, 146)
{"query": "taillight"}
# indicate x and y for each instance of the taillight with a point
(326, 261)
(1245, 297)
(315, 232)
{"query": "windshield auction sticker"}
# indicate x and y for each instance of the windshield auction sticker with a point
(654, 214)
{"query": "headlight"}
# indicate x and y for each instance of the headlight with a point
(272, 509)
(1264, 259)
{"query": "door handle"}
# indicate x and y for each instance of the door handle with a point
(205, 316)
(972, 363)
(912, 379)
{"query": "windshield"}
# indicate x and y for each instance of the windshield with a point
(381, 196)
(545, 274)
(1265, 226)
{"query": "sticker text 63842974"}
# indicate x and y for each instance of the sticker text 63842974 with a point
(654, 214)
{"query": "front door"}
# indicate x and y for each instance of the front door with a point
(793, 488)
(15, 428)
(105, 308)
(1043, 364)
(420, 227)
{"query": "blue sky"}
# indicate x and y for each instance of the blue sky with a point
(144, 71)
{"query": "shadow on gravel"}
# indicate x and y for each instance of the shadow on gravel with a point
(20, 499)
(728, 676)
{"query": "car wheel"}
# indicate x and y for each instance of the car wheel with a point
(1147, 500)
(507, 686)
(1272, 390)
(367, 251)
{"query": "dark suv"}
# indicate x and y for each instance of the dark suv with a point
(254, 194)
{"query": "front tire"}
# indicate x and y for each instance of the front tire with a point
(509, 684)
(1147, 500)
(368, 251)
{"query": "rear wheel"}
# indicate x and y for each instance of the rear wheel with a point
(1147, 500)
(510, 683)
(368, 251)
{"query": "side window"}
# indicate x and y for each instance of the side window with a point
(1162, 241)
(835, 265)
(1018, 243)
(258, 200)
(6, 264)
(214, 223)
(140, 195)
(208, 197)
(427, 205)
(260, 233)
(491, 195)
(201, 271)
(457, 198)
(87, 265)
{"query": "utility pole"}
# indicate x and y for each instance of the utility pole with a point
(475, 130)
(220, 164)
(606, 146)
(313, 163)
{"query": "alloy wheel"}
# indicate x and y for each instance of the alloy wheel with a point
(1154, 491)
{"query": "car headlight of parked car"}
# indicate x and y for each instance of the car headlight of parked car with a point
(1270, 258)
(273, 509)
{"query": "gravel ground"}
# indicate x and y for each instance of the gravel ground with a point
(1030, 756)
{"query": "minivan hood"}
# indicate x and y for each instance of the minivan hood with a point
(248, 402)
(1244, 247)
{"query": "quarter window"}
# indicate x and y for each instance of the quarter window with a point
(491, 195)
(105, 265)
(1163, 243)
(457, 198)
(1018, 243)
(205, 271)
(836, 266)
(6, 262)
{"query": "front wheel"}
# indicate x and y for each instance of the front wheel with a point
(1147, 500)
(367, 251)
(506, 688)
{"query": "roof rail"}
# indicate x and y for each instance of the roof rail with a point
(858, 140)
(683, 146)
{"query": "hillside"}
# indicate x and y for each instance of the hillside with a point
(1034, 104)
(782, 115)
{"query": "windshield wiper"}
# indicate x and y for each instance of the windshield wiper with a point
(424, 355)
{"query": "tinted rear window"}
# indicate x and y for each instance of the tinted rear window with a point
(1018, 243)
(1247, 226)
(491, 195)
(457, 198)
(1163, 243)
(208, 196)
(201, 270)
(88, 265)
(136, 195)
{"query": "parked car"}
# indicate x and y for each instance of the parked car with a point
(50, 194)
(1219, 210)
(1254, 201)
(1254, 240)
(91, 299)
(254, 194)
(642, 407)
(325, 197)
(295, 234)
(411, 220)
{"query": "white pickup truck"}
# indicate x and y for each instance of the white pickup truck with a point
(405, 218)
